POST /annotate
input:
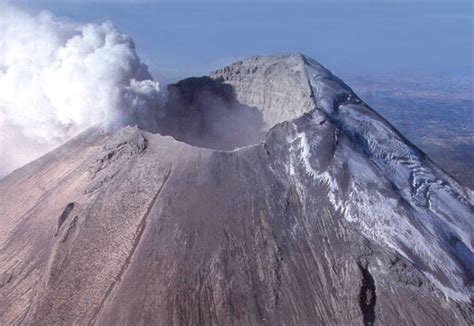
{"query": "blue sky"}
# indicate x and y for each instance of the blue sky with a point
(181, 38)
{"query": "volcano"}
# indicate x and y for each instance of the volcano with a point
(267, 193)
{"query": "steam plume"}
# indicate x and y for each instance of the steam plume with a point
(59, 77)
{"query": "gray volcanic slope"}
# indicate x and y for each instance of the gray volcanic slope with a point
(333, 218)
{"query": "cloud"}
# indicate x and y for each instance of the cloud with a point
(59, 77)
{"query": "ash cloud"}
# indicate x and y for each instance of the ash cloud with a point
(59, 77)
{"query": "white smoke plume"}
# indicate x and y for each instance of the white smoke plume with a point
(58, 77)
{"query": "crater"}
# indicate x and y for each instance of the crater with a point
(204, 112)
(236, 106)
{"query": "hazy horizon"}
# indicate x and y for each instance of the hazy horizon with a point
(351, 38)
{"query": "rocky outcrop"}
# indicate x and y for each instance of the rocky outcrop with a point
(331, 218)
(277, 85)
